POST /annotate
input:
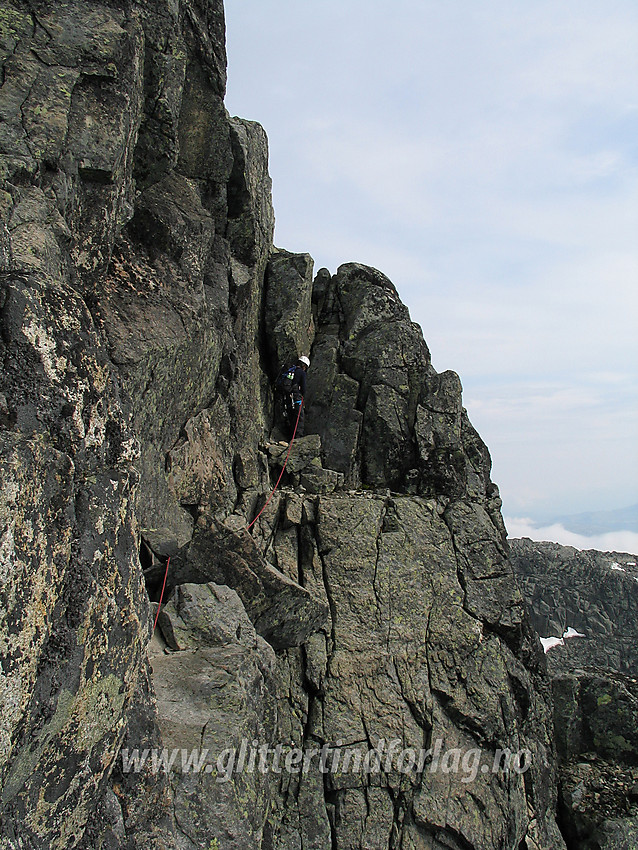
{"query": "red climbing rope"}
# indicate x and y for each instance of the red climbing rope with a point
(162, 593)
(280, 474)
(251, 524)
(294, 433)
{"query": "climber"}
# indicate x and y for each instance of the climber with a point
(290, 389)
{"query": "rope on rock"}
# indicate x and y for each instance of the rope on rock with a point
(294, 433)
(281, 473)
(162, 593)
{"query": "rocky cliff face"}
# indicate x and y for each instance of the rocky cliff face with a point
(144, 313)
(593, 682)
(595, 593)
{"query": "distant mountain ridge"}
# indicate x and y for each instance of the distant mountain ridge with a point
(596, 522)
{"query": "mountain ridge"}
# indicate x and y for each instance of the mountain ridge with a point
(591, 523)
(145, 312)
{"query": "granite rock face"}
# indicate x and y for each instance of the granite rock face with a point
(595, 593)
(144, 312)
(73, 607)
(404, 666)
(596, 712)
(386, 418)
(594, 686)
(136, 227)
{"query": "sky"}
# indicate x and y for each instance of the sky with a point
(483, 156)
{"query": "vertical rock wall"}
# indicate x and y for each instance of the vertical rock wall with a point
(427, 639)
(73, 607)
(136, 226)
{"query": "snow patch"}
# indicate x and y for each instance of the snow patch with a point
(551, 642)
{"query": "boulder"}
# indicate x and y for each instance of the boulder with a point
(282, 611)
(304, 454)
(206, 615)
(214, 696)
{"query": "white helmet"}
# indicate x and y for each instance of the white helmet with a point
(303, 359)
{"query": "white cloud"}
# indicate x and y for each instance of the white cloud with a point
(612, 541)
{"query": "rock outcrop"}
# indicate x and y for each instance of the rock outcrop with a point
(218, 686)
(594, 687)
(594, 593)
(370, 615)
(595, 717)
(403, 659)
